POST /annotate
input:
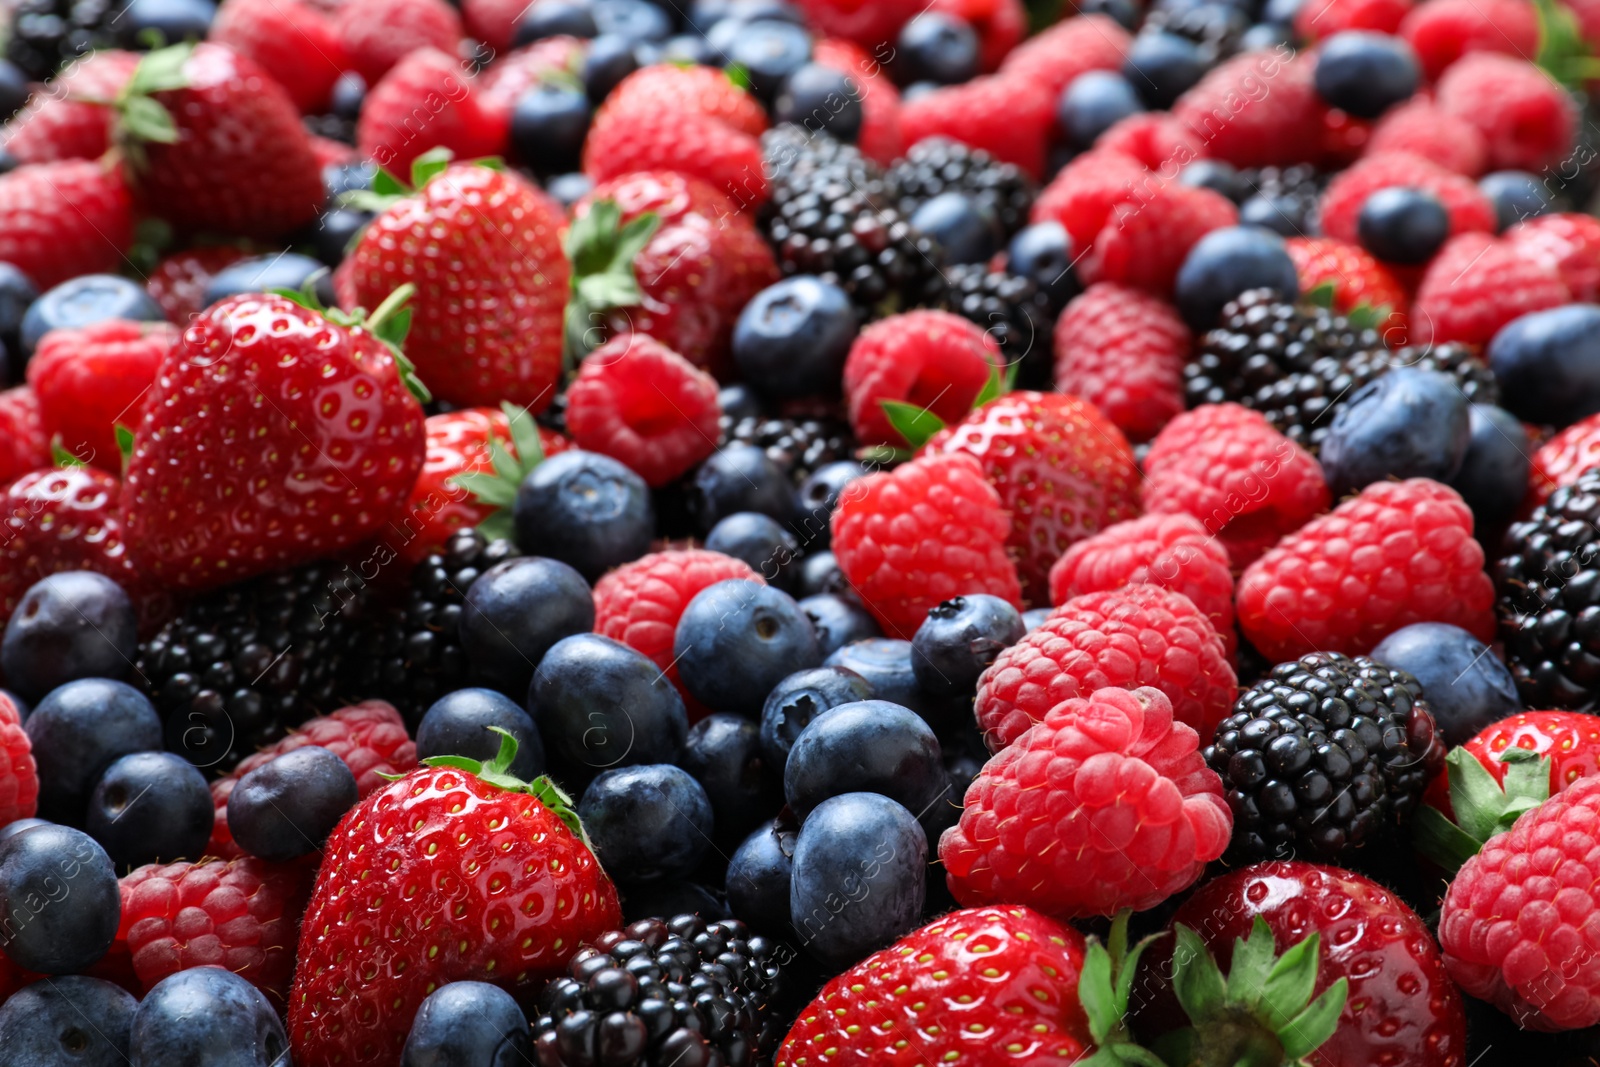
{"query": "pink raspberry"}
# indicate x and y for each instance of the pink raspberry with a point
(1123, 350)
(1476, 284)
(930, 359)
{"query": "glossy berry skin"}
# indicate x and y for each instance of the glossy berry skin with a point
(1092, 103)
(762, 542)
(1365, 73)
(959, 639)
(25, 447)
(1227, 262)
(1542, 362)
(1027, 1008)
(869, 746)
(723, 753)
(1494, 474)
(796, 701)
(736, 640)
(1516, 196)
(936, 47)
(792, 338)
(600, 704)
(66, 867)
(1356, 276)
(150, 807)
(462, 724)
(211, 1013)
(293, 42)
(1467, 687)
(178, 283)
(87, 379)
(838, 620)
(445, 847)
(71, 625)
(826, 98)
(70, 1019)
(739, 477)
(64, 219)
(462, 1024)
(286, 807)
(759, 875)
(1161, 65)
(548, 122)
(647, 823)
(1409, 423)
(1568, 739)
(1402, 225)
(59, 125)
(586, 510)
(1567, 241)
(1123, 350)
(87, 300)
(378, 34)
(515, 612)
(1347, 194)
(79, 730)
(462, 118)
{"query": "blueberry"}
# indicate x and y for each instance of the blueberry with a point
(1548, 364)
(609, 60)
(468, 1024)
(336, 230)
(1217, 176)
(792, 338)
(959, 639)
(1282, 12)
(1493, 478)
(17, 294)
(8, 160)
(1408, 423)
(568, 189)
(79, 730)
(515, 612)
(586, 510)
(17, 826)
(59, 903)
(963, 229)
(1225, 263)
(760, 541)
(739, 477)
(768, 51)
(172, 21)
(151, 807)
(287, 806)
(349, 96)
(548, 124)
(647, 822)
(1267, 36)
(1161, 66)
(210, 1016)
(858, 877)
(636, 20)
(73, 624)
(885, 662)
(778, 10)
(736, 640)
(458, 724)
(757, 883)
(1092, 103)
(822, 100)
(838, 620)
(555, 18)
(1125, 12)
(1281, 214)
(701, 15)
(870, 746)
(1032, 620)
(1043, 254)
(741, 401)
(1516, 195)
(723, 753)
(1466, 685)
(935, 47)
(14, 91)
(819, 495)
(1366, 73)
(599, 703)
(84, 301)
(800, 698)
(340, 178)
(651, 900)
(819, 574)
(70, 1021)
(260, 274)
(1402, 225)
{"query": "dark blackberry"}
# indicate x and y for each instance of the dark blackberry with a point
(554, 417)
(1549, 599)
(413, 656)
(1461, 362)
(799, 446)
(1015, 312)
(831, 214)
(1322, 754)
(1216, 28)
(939, 165)
(48, 34)
(664, 991)
(238, 667)
(332, 127)
(1301, 184)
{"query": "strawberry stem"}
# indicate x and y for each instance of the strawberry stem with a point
(497, 772)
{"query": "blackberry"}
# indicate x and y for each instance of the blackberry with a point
(939, 165)
(332, 127)
(1549, 599)
(554, 417)
(798, 445)
(1323, 754)
(413, 656)
(1015, 312)
(832, 214)
(1300, 185)
(238, 667)
(1216, 28)
(664, 991)
(1473, 376)
(48, 34)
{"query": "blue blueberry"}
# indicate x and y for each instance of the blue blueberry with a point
(822, 100)
(838, 620)
(59, 903)
(651, 900)
(458, 724)
(73, 624)
(963, 229)
(260, 274)
(173, 21)
(1043, 254)
(340, 178)
(468, 1024)
(555, 18)
(568, 189)
(548, 124)
(1092, 103)
(959, 639)
(758, 878)
(1219, 177)
(14, 89)
(17, 826)
(337, 228)
(1267, 36)
(1402, 225)
(151, 807)
(1281, 12)
(209, 1016)
(739, 477)
(1465, 684)
(688, 49)
(599, 703)
(1548, 365)
(586, 510)
(819, 495)
(610, 59)
(635, 20)
(515, 612)
(287, 806)
(870, 746)
(1227, 262)
(17, 294)
(935, 47)
(791, 340)
(1032, 620)
(1409, 423)
(736, 640)
(740, 400)
(70, 1021)
(778, 10)
(798, 699)
(1283, 215)
(1493, 478)
(723, 753)
(1162, 66)
(1516, 195)
(79, 730)
(768, 51)
(1365, 73)
(885, 662)
(761, 541)
(84, 301)
(819, 575)
(858, 881)
(649, 822)
(1126, 12)
(349, 96)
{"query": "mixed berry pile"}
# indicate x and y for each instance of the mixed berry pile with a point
(783, 533)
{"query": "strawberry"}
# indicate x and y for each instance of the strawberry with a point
(314, 410)
(513, 74)
(1567, 241)
(64, 219)
(63, 519)
(178, 283)
(431, 83)
(71, 121)
(291, 40)
(482, 247)
(494, 22)
(91, 379)
(1354, 277)
(1569, 740)
(457, 871)
(1442, 31)
(702, 90)
(24, 446)
(378, 34)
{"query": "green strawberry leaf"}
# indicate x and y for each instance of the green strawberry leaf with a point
(431, 162)
(497, 488)
(602, 250)
(1252, 963)
(1196, 979)
(386, 184)
(124, 444)
(1302, 1035)
(524, 435)
(914, 424)
(738, 75)
(160, 71)
(1440, 840)
(1095, 994)
(1291, 981)
(1322, 295)
(497, 772)
(1366, 317)
(60, 457)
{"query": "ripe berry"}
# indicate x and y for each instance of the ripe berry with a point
(71, 625)
(600, 704)
(1402, 225)
(465, 723)
(67, 868)
(1408, 423)
(68, 1019)
(287, 806)
(791, 340)
(1366, 73)
(935, 47)
(586, 510)
(1467, 687)
(959, 639)
(868, 746)
(515, 612)
(736, 640)
(1227, 262)
(210, 1011)
(467, 1023)
(151, 807)
(798, 699)
(1543, 363)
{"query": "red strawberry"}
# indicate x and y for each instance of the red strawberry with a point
(513, 74)
(19, 778)
(1010, 116)
(67, 122)
(483, 248)
(1569, 741)
(1356, 279)
(64, 219)
(1469, 209)
(869, 23)
(1527, 119)
(1476, 284)
(61, 520)
(1442, 31)
(378, 34)
(319, 415)
(932, 360)
(1319, 19)
(1073, 46)
(455, 872)
(1145, 240)
(881, 139)
(640, 134)
(1123, 350)
(1420, 127)
(1567, 241)
(89, 380)
(701, 90)
(493, 22)
(1256, 109)
(178, 283)
(24, 446)
(293, 42)
(458, 120)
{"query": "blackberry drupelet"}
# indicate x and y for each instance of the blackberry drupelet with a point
(1015, 312)
(48, 34)
(332, 127)
(1300, 185)
(241, 665)
(1549, 599)
(1323, 754)
(939, 165)
(798, 445)
(1216, 28)
(1460, 361)
(664, 991)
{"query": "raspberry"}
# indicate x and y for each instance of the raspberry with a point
(1123, 351)
(179, 281)
(293, 42)
(1145, 242)
(1568, 242)
(1256, 110)
(650, 135)
(494, 22)
(1248, 484)
(1172, 551)
(914, 537)
(1468, 208)
(1357, 279)
(1140, 634)
(1422, 128)
(1009, 117)
(639, 402)
(932, 359)
(1105, 804)
(881, 139)
(1086, 192)
(1478, 283)
(89, 378)
(869, 23)
(23, 444)
(1074, 46)
(1062, 470)
(378, 34)
(1318, 19)
(1156, 139)
(1000, 25)
(1515, 932)
(1527, 119)
(19, 779)
(1395, 554)
(1442, 31)
(1559, 461)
